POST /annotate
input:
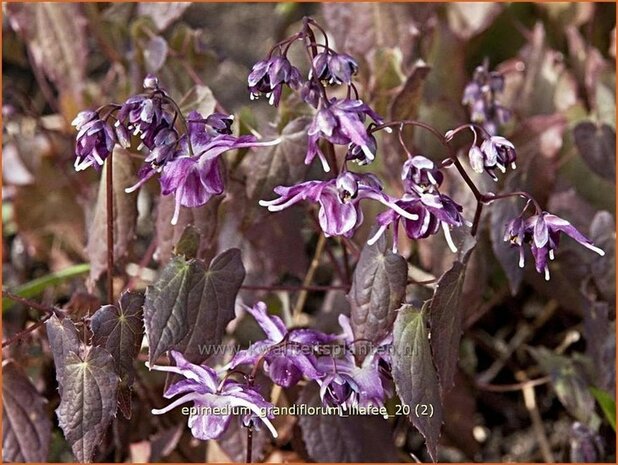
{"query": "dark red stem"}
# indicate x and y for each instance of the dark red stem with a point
(109, 186)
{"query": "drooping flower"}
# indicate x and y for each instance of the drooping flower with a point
(495, 153)
(542, 232)
(192, 172)
(287, 354)
(334, 68)
(94, 142)
(341, 122)
(359, 155)
(269, 76)
(432, 211)
(420, 174)
(145, 116)
(339, 198)
(481, 97)
(347, 384)
(202, 387)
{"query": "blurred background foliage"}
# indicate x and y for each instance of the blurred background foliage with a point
(559, 62)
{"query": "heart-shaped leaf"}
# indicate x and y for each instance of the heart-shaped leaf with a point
(378, 288)
(415, 376)
(335, 438)
(88, 400)
(190, 305)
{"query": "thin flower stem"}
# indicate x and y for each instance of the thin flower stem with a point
(109, 186)
(182, 119)
(249, 443)
(302, 297)
(346, 262)
(477, 218)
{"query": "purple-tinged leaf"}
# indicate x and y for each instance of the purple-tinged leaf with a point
(405, 104)
(603, 235)
(125, 215)
(88, 401)
(597, 146)
(378, 289)
(56, 36)
(207, 324)
(190, 305)
(119, 330)
(276, 165)
(335, 438)
(155, 54)
(63, 340)
(415, 376)
(203, 219)
(163, 14)
(358, 27)
(600, 337)
(569, 382)
(26, 427)
(446, 319)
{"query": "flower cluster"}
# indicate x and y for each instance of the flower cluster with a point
(495, 152)
(188, 163)
(422, 199)
(480, 96)
(286, 356)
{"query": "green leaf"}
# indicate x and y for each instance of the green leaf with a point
(26, 427)
(607, 403)
(190, 305)
(415, 376)
(88, 401)
(378, 289)
(36, 287)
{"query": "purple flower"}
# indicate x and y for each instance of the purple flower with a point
(340, 213)
(310, 93)
(94, 142)
(432, 210)
(480, 96)
(195, 177)
(348, 385)
(287, 355)
(202, 387)
(495, 152)
(357, 154)
(334, 68)
(420, 174)
(341, 122)
(268, 77)
(542, 232)
(145, 117)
